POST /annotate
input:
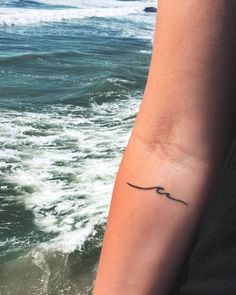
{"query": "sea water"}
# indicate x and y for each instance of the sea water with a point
(72, 76)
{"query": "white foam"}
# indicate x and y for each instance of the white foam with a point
(100, 3)
(22, 16)
(68, 198)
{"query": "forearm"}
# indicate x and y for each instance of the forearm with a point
(147, 232)
(179, 141)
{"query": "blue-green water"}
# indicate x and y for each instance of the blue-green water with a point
(72, 76)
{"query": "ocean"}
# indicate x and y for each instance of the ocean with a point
(72, 76)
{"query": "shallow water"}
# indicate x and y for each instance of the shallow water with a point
(72, 76)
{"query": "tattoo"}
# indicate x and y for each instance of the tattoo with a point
(161, 191)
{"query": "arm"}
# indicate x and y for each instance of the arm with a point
(176, 150)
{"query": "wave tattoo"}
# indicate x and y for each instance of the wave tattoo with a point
(161, 191)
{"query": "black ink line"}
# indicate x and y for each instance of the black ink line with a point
(161, 191)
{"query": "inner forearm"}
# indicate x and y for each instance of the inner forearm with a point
(177, 147)
(155, 207)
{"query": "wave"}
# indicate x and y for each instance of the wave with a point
(33, 4)
(48, 164)
(29, 12)
(40, 56)
(11, 17)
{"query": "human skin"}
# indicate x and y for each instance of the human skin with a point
(177, 148)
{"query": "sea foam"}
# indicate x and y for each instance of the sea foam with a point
(65, 179)
(11, 16)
